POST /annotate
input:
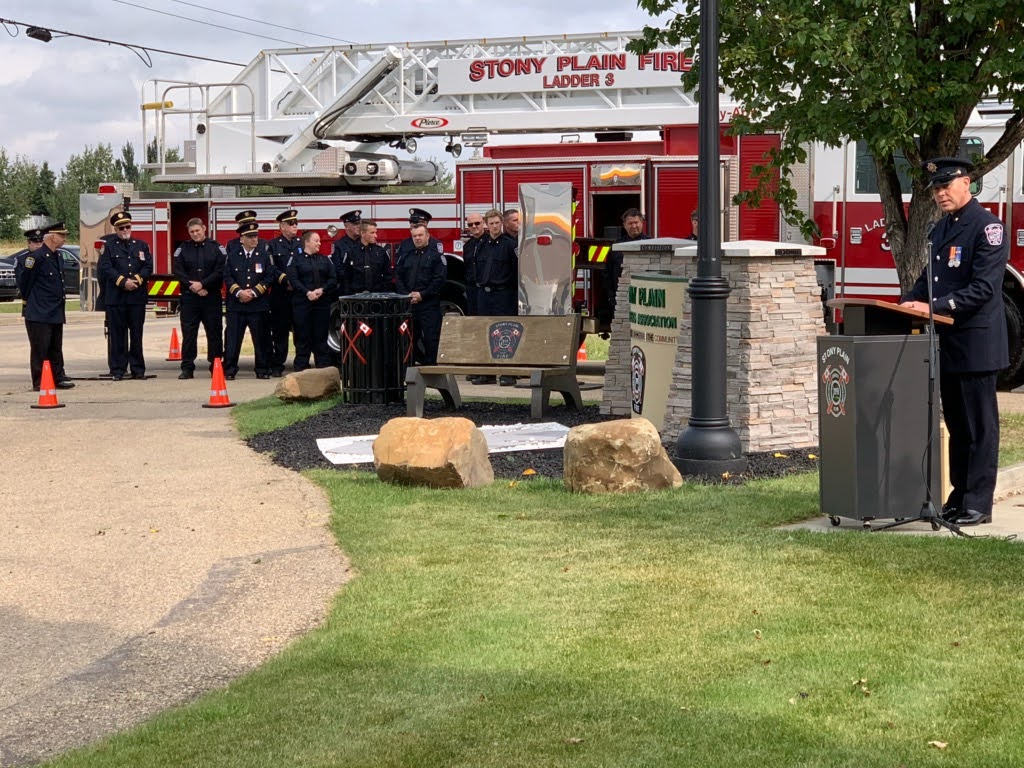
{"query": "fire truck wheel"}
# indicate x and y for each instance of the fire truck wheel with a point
(1013, 374)
(334, 329)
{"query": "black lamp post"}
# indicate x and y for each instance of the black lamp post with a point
(708, 446)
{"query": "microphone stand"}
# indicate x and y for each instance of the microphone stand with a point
(928, 513)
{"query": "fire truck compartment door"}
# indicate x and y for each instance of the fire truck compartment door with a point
(545, 249)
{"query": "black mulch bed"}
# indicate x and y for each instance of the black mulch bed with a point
(295, 446)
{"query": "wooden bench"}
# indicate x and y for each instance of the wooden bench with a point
(541, 347)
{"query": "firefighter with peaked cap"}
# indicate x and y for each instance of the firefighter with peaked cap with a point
(242, 217)
(249, 274)
(421, 274)
(40, 277)
(417, 216)
(280, 321)
(198, 263)
(969, 250)
(368, 266)
(125, 267)
(33, 241)
(345, 247)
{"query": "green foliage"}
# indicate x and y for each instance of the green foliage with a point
(83, 173)
(45, 189)
(887, 72)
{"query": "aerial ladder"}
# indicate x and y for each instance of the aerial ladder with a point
(290, 116)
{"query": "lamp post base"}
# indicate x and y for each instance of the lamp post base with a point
(709, 451)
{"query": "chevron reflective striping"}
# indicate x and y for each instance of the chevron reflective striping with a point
(154, 288)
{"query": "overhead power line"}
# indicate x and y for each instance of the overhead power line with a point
(268, 23)
(133, 47)
(208, 23)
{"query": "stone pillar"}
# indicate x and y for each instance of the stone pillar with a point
(773, 318)
(637, 256)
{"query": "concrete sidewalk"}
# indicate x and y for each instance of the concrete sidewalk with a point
(146, 554)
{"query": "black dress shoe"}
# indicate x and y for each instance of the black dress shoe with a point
(140, 376)
(262, 375)
(229, 376)
(117, 377)
(65, 384)
(949, 513)
(186, 375)
(485, 380)
(973, 517)
(277, 372)
(507, 381)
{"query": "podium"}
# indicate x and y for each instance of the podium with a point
(873, 413)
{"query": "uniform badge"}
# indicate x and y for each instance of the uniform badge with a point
(994, 233)
(955, 252)
(440, 247)
(30, 261)
(142, 255)
(259, 268)
(444, 260)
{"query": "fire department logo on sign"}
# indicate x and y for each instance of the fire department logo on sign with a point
(637, 378)
(835, 378)
(505, 337)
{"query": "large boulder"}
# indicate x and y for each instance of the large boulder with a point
(439, 453)
(617, 457)
(310, 384)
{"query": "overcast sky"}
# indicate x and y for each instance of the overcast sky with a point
(63, 95)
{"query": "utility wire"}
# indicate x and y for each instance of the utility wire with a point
(208, 23)
(268, 23)
(130, 46)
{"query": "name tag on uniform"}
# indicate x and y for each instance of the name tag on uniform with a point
(259, 268)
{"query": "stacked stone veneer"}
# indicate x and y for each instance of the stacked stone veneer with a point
(773, 317)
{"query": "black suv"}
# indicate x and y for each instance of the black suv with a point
(72, 273)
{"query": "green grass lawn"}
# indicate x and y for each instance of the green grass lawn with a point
(14, 307)
(518, 625)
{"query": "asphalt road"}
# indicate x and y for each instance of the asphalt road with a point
(146, 554)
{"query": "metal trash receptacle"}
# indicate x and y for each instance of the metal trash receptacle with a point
(376, 347)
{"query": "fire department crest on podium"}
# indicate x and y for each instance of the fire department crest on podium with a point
(835, 378)
(505, 336)
(637, 377)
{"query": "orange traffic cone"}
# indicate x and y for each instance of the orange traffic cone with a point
(175, 353)
(581, 353)
(47, 391)
(218, 388)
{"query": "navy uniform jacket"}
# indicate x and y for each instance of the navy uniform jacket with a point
(309, 271)
(470, 249)
(497, 262)
(257, 273)
(424, 270)
(344, 247)
(40, 277)
(352, 272)
(969, 252)
(124, 260)
(613, 269)
(282, 249)
(203, 262)
(406, 247)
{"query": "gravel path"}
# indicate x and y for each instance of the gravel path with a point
(146, 554)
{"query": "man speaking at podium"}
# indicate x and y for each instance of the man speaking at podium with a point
(969, 252)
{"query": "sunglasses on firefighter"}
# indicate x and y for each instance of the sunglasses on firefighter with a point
(123, 227)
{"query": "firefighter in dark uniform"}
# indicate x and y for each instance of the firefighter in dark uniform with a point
(40, 277)
(497, 278)
(367, 267)
(417, 216)
(421, 274)
(346, 245)
(283, 247)
(34, 241)
(249, 273)
(475, 227)
(125, 267)
(313, 282)
(969, 252)
(199, 264)
(633, 225)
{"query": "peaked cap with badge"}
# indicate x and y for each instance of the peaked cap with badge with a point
(940, 171)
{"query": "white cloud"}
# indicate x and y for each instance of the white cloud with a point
(72, 92)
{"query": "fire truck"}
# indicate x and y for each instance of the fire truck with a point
(323, 124)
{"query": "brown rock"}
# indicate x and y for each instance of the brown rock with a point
(438, 453)
(617, 457)
(310, 384)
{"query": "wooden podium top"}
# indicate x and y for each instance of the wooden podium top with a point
(915, 316)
